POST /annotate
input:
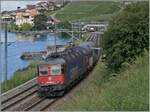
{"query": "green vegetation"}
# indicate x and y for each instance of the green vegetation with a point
(51, 12)
(127, 36)
(40, 22)
(15, 28)
(64, 25)
(48, 12)
(128, 91)
(25, 27)
(88, 10)
(20, 77)
(121, 81)
(65, 35)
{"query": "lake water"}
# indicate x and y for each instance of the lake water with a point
(17, 44)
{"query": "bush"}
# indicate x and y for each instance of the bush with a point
(40, 22)
(25, 27)
(64, 25)
(22, 27)
(13, 27)
(127, 36)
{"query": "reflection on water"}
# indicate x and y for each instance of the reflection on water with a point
(21, 37)
(17, 44)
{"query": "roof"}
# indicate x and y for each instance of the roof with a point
(87, 44)
(54, 61)
(30, 7)
(70, 54)
(39, 3)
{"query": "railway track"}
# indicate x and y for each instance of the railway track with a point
(24, 98)
(92, 37)
(41, 105)
(17, 99)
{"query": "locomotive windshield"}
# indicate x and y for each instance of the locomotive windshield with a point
(56, 70)
(43, 70)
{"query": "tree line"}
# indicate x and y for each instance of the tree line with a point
(39, 23)
(127, 36)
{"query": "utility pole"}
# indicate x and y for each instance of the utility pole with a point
(1, 55)
(5, 51)
(72, 32)
(78, 29)
(55, 40)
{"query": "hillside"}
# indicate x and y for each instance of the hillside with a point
(113, 86)
(127, 91)
(88, 10)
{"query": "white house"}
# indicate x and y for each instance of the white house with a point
(26, 16)
(23, 17)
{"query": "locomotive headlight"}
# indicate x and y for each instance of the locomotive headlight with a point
(50, 78)
(56, 70)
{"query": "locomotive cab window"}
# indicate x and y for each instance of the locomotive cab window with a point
(43, 70)
(56, 70)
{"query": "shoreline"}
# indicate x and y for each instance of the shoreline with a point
(37, 34)
(32, 32)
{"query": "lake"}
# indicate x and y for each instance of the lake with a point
(17, 44)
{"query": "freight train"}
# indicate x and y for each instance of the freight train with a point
(60, 71)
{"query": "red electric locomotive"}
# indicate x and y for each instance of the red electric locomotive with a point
(51, 77)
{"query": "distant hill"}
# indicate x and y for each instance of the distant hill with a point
(88, 10)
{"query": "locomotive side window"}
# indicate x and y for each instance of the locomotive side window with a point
(96, 52)
(43, 70)
(56, 70)
(63, 69)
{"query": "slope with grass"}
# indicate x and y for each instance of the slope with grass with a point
(127, 91)
(20, 77)
(88, 10)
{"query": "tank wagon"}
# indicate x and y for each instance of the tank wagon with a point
(60, 71)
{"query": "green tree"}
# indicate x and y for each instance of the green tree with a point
(25, 27)
(13, 27)
(40, 22)
(64, 25)
(127, 35)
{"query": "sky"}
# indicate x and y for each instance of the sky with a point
(12, 5)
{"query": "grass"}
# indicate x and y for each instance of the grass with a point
(49, 13)
(19, 77)
(127, 91)
(88, 10)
